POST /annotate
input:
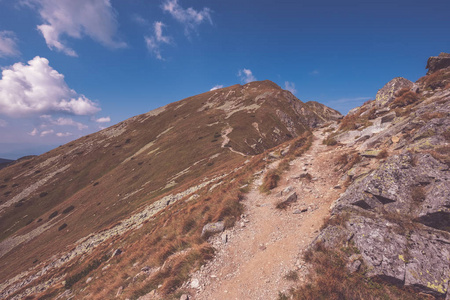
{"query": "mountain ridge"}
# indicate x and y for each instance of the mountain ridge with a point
(137, 198)
(89, 184)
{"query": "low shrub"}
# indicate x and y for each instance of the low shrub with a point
(383, 154)
(270, 181)
(53, 214)
(68, 209)
(329, 141)
(291, 276)
(405, 99)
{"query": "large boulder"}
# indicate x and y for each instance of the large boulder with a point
(212, 228)
(417, 257)
(435, 63)
(387, 93)
(417, 185)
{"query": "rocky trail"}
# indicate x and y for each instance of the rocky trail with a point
(254, 257)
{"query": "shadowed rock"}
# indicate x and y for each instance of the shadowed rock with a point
(435, 63)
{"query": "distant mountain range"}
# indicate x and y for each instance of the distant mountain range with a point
(4, 162)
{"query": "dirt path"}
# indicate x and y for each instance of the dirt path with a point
(268, 242)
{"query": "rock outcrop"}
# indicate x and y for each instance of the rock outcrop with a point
(435, 63)
(387, 93)
(396, 210)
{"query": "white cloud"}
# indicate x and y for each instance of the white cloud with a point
(76, 19)
(140, 20)
(216, 87)
(154, 42)
(47, 132)
(246, 76)
(62, 122)
(290, 86)
(189, 17)
(3, 123)
(34, 132)
(103, 120)
(36, 88)
(8, 44)
(60, 134)
(314, 73)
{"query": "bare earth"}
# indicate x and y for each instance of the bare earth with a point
(268, 242)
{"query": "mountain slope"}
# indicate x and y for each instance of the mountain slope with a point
(393, 221)
(133, 170)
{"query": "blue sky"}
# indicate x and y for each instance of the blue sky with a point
(70, 68)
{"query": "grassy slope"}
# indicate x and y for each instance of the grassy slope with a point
(97, 181)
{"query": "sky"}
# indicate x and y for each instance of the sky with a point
(70, 68)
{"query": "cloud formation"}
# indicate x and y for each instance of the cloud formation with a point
(76, 19)
(290, 86)
(34, 132)
(8, 44)
(60, 134)
(48, 120)
(246, 76)
(36, 88)
(154, 42)
(189, 17)
(3, 123)
(47, 132)
(216, 87)
(103, 120)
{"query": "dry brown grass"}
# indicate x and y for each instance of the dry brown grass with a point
(346, 161)
(405, 98)
(330, 141)
(383, 154)
(349, 122)
(418, 193)
(329, 279)
(270, 181)
(436, 80)
(441, 153)
(428, 116)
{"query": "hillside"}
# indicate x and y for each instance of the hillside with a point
(4, 162)
(241, 193)
(93, 194)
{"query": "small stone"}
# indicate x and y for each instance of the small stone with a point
(287, 190)
(145, 269)
(224, 238)
(184, 297)
(395, 139)
(195, 284)
(301, 210)
(354, 266)
(370, 153)
(117, 252)
(88, 280)
(119, 291)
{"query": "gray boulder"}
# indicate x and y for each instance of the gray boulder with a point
(212, 228)
(416, 185)
(417, 257)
